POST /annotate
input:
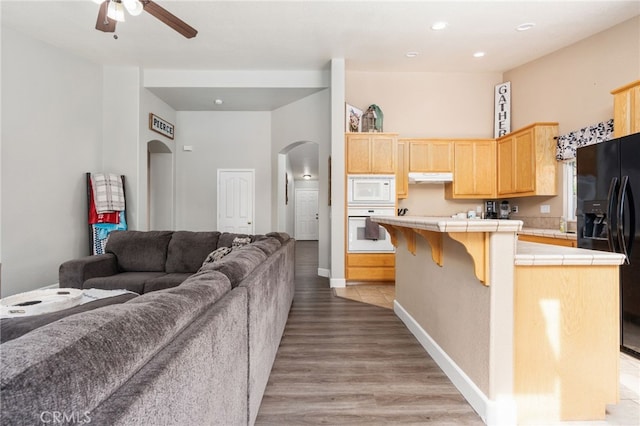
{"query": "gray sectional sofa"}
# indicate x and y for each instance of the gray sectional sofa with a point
(197, 353)
(146, 261)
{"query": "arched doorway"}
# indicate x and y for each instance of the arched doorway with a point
(160, 183)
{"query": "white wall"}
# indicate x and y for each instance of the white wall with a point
(306, 120)
(162, 165)
(220, 140)
(51, 136)
(122, 151)
(572, 86)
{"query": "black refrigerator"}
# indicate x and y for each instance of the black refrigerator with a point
(608, 179)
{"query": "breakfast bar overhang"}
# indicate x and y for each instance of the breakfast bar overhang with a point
(527, 332)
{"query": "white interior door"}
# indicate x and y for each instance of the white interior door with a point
(235, 201)
(306, 214)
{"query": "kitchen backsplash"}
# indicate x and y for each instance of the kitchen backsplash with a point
(543, 222)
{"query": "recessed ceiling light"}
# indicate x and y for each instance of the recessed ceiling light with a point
(411, 54)
(437, 26)
(218, 102)
(526, 26)
(478, 54)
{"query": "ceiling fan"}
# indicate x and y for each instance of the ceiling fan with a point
(112, 11)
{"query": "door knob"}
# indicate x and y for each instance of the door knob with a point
(248, 223)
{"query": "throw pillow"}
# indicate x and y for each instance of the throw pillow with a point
(216, 255)
(239, 242)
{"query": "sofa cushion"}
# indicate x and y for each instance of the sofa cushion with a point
(237, 264)
(143, 251)
(268, 245)
(187, 250)
(132, 281)
(80, 360)
(165, 281)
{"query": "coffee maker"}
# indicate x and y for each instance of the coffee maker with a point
(505, 210)
(490, 210)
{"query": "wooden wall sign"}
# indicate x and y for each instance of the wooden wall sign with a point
(502, 114)
(161, 126)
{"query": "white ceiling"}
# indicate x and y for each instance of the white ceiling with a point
(305, 35)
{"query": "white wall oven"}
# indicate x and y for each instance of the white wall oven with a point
(366, 237)
(371, 190)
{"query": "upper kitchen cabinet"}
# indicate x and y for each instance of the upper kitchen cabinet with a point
(402, 174)
(371, 153)
(474, 170)
(527, 161)
(626, 109)
(430, 155)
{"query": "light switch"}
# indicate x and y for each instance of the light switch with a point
(187, 147)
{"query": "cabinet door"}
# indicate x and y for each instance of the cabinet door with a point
(383, 154)
(402, 179)
(431, 156)
(505, 166)
(474, 170)
(441, 156)
(524, 167)
(626, 110)
(358, 154)
(485, 169)
(463, 169)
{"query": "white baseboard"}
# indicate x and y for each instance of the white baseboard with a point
(492, 412)
(337, 282)
(322, 272)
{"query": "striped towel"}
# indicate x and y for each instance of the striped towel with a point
(108, 193)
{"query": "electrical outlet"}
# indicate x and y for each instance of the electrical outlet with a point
(545, 208)
(514, 209)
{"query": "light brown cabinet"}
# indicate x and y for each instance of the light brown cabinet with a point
(371, 153)
(548, 240)
(402, 178)
(526, 161)
(430, 155)
(474, 170)
(626, 109)
(371, 267)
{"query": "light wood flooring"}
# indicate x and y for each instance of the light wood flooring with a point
(343, 362)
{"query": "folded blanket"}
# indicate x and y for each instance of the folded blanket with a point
(108, 192)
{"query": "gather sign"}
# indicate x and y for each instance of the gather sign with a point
(161, 126)
(502, 114)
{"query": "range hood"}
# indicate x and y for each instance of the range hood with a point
(430, 177)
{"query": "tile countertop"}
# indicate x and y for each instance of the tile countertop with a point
(550, 233)
(449, 224)
(536, 254)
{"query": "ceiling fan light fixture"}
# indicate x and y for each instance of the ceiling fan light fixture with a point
(115, 10)
(134, 7)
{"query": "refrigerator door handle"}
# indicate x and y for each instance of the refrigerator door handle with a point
(611, 200)
(626, 195)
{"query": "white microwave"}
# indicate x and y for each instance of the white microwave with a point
(371, 190)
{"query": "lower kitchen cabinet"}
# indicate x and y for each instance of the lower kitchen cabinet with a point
(370, 267)
(548, 240)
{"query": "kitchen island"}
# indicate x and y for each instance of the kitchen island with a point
(528, 332)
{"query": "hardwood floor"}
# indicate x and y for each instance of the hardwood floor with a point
(346, 362)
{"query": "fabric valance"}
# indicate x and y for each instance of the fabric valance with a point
(567, 144)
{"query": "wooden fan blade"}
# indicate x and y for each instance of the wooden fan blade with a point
(103, 23)
(170, 19)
